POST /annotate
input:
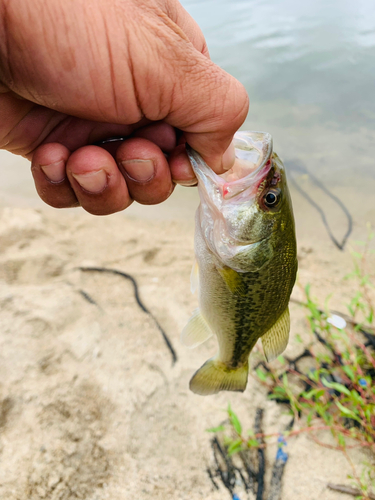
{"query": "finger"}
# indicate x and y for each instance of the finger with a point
(161, 134)
(48, 170)
(97, 182)
(181, 170)
(146, 171)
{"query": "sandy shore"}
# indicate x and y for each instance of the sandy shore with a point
(90, 404)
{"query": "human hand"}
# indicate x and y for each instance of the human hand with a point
(76, 72)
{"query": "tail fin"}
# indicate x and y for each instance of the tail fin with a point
(214, 376)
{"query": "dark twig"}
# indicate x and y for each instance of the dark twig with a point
(277, 474)
(251, 474)
(88, 297)
(138, 300)
(298, 166)
(278, 467)
(208, 470)
(261, 458)
(342, 488)
(227, 474)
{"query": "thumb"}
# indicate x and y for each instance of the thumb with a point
(209, 108)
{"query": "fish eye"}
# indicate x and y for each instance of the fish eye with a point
(272, 198)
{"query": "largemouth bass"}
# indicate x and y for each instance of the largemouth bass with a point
(246, 262)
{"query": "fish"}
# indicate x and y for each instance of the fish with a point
(245, 262)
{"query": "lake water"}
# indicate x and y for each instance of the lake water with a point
(309, 69)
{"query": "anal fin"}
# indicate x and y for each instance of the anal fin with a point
(196, 331)
(276, 339)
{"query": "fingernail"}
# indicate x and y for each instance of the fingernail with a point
(188, 183)
(229, 156)
(139, 170)
(55, 172)
(93, 182)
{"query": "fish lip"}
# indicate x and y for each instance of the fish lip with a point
(215, 185)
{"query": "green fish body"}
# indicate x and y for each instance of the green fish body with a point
(246, 262)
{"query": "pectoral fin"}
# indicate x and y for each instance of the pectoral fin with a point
(276, 339)
(196, 331)
(194, 277)
(233, 280)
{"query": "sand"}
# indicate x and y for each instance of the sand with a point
(90, 404)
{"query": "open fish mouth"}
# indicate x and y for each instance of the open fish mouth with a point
(240, 183)
(224, 198)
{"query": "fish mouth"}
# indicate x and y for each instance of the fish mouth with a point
(239, 184)
(222, 196)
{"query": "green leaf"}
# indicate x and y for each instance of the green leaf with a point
(349, 372)
(357, 254)
(253, 443)
(356, 397)
(368, 414)
(261, 375)
(314, 375)
(346, 411)
(309, 417)
(341, 440)
(220, 428)
(336, 386)
(314, 392)
(235, 447)
(370, 317)
(234, 421)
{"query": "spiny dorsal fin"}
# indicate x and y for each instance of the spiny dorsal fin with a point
(233, 280)
(194, 277)
(276, 339)
(196, 331)
(214, 377)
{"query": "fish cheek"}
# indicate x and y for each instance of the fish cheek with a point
(252, 224)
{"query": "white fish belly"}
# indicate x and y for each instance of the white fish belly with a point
(216, 303)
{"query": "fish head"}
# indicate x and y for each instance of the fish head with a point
(243, 211)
